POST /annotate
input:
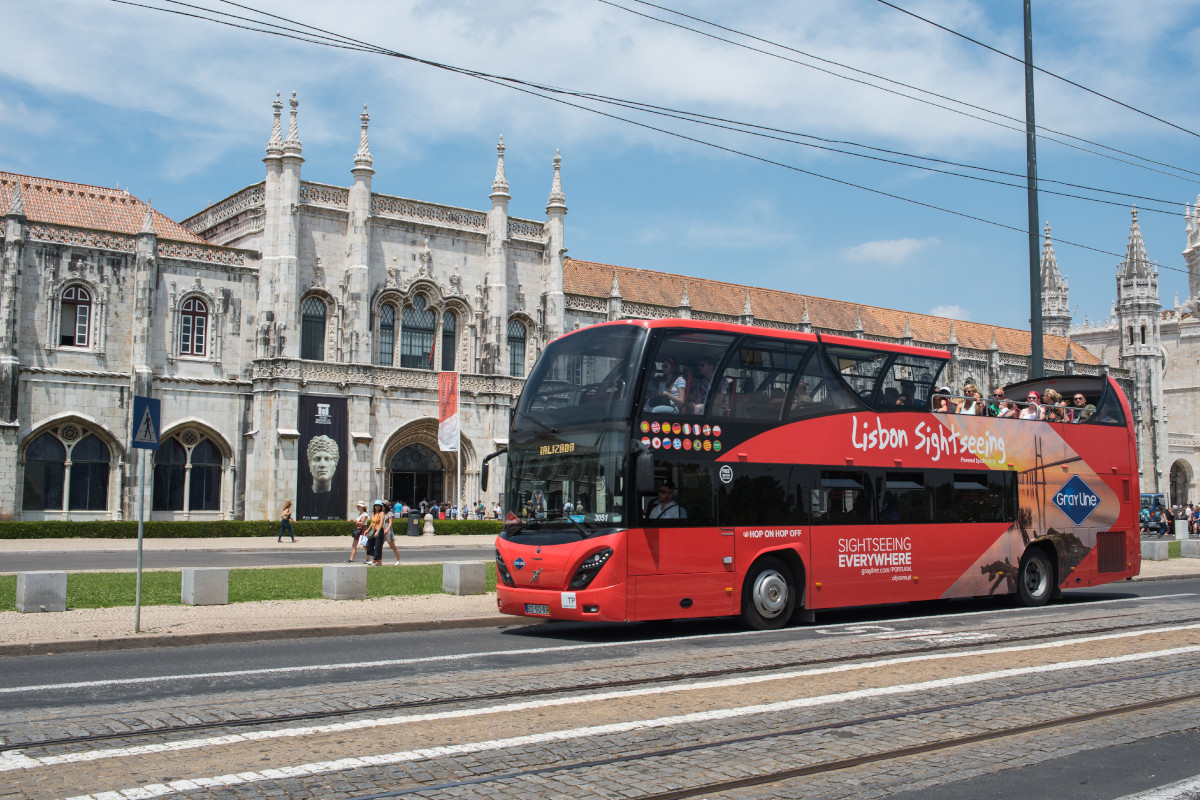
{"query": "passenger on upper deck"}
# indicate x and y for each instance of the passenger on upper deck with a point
(996, 406)
(971, 402)
(941, 400)
(1031, 410)
(668, 393)
(907, 394)
(699, 399)
(1081, 409)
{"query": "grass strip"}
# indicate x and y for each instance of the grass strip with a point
(162, 588)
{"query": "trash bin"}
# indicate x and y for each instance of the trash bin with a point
(414, 523)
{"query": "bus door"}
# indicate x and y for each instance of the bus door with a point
(680, 559)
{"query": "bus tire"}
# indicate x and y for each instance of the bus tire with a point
(768, 595)
(1035, 578)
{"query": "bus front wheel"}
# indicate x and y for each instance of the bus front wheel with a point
(1035, 578)
(768, 595)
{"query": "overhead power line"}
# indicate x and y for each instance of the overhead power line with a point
(1018, 126)
(312, 35)
(1046, 72)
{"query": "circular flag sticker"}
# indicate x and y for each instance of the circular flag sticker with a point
(708, 430)
(645, 426)
(696, 445)
(708, 444)
(716, 430)
(646, 441)
(656, 443)
(654, 426)
(687, 429)
(666, 444)
(687, 444)
(677, 428)
(717, 446)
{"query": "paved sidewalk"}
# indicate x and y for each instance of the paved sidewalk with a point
(112, 628)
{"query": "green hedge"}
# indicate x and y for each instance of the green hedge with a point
(55, 529)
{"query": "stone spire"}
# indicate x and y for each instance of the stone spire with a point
(292, 143)
(859, 331)
(747, 317)
(500, 183)
(363, 157)
(805, 321)
(907, 337)
(615, 290)
(1056, 310)
(1137, 263)
(557, 198)
(684, 301)
(953, 338)
(275, 143)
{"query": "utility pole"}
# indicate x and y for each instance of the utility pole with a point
(1037, 368)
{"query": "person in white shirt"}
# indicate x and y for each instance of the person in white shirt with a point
(664, 506)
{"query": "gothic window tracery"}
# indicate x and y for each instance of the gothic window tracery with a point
(75, 316)
(193, 327)
(187, 473)
(516, 348)
(312, 329)
(66, 470)
(449, 340)
(417, 332)
(387, 335)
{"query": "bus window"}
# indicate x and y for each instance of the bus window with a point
(761, 494)
(815, 391)
(859, 368)
(689, 487)
(1108, 410)
(908, 381)
(985, 496)
(904, 498)
(691, 360)
(757, 374)
(842, 497)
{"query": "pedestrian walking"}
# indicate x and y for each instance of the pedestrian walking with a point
(375, 535)
(285, 522)
(360, 529)
(397, 513)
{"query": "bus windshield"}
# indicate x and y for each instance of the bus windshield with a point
(583, 377)
(570, 481)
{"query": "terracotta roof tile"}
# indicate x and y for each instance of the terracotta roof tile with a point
(591, 279)
(82, 206)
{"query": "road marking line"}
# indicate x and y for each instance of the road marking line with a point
(1171, 791)
(177, 677)
(390, 759)
(21, 761)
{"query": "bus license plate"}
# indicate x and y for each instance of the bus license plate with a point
(537, 608)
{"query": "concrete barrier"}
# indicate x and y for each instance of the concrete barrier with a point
(41, 591)
(1190, 548)
(1154, 551)
(1181, 529)
(208, 586)
(464, 577)
(344, 582)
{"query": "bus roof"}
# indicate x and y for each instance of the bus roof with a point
(676, 323)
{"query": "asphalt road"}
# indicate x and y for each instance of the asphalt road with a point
(76, 558)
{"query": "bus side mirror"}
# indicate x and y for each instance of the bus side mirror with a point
(645, 473)
(483, 476)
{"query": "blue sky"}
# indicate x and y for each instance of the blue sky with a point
(179, 111)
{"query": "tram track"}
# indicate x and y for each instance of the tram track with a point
(833, 766)
(169, 731)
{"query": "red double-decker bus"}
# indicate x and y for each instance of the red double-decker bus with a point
(673, 468)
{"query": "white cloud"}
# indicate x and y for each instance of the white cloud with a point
(892, 251)
(953, 312)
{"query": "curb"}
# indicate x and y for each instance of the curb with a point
(182, 640)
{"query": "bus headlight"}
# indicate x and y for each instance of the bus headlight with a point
(590, 568)
(502, 571)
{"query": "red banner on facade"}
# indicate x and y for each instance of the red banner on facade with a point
(448, 411)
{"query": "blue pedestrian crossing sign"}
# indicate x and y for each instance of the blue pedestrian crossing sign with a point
(145, 423)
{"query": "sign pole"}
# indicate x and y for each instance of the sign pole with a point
(146, 425)
(458, 450)
(137, 596)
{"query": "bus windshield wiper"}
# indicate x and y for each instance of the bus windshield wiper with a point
(584, 532)
(537, 422)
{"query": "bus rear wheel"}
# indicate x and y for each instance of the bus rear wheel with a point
(1035, 578)
(768, 595)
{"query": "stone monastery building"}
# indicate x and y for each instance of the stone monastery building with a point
(294, 318)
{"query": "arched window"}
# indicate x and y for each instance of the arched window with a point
(193, 327)
(170, 461)
(44, 469)
(449, 340)
(204, 493)
(312, 329)
(516, 349)
(419, 326)
(387, 335)
(74, 319)
(89, 475)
